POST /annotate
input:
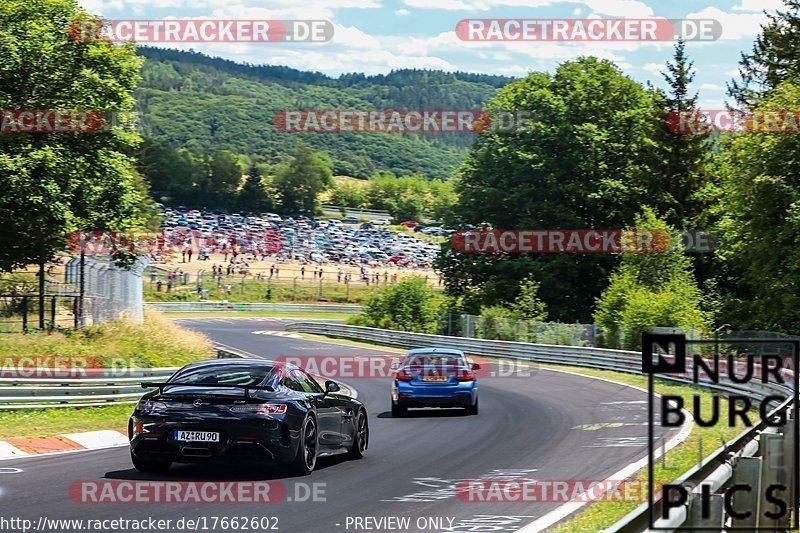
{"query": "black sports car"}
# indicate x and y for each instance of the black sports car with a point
(244, 409)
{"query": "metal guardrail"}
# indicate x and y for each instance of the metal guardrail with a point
(352, 211)
(207, 307)
(108, 386)
(750, 457)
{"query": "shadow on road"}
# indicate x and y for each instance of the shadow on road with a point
(221, 471)
(429, 413)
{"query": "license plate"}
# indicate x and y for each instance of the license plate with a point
(197, 436)
(435, 378)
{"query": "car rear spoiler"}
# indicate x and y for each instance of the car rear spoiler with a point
(246, 388)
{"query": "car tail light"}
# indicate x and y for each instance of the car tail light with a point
(261, 409)
(150, 406)
(402, 375)
(465, 375)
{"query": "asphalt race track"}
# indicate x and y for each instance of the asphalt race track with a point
(544, 426)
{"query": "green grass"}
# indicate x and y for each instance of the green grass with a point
(47, 422)
(157, 342)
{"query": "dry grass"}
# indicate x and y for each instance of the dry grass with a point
(156, 342)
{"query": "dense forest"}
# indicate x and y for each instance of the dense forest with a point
(204, 104)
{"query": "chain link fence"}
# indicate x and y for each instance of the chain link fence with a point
(508, 329)
(107, 292)
(286, 283)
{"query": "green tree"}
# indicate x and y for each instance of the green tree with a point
(528, 305)
(348, 195)
(676, 191)
(56, 184)
(172, 174)
(775, 57)
(299, 183)
(254, 195)
(758, 211)
(650, 289)
(408, 305)
(221, 179)
(581, 162)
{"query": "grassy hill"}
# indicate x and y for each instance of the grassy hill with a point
(194, 101)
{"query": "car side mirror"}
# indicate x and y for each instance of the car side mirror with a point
(476, 366)
(395, 365)
(331, 386)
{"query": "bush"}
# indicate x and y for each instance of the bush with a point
(650, 290)
(409, 305)
(500, 323)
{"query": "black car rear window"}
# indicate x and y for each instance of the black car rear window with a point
(227, 375)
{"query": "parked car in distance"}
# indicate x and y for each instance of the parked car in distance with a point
(409, 224)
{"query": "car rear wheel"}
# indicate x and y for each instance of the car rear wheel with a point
(150, 466)
(473, 409)
(399, 411)
(306, 458)
(360, 436)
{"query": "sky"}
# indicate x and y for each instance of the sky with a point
(377, 36)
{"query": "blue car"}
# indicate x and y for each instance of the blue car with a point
(435, 377)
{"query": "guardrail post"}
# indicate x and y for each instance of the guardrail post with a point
(788, 455)
(772, 468)
(715, 519)
(747, 472)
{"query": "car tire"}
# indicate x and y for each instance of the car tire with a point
(150, 466)
(307, 449)
(360, 436)
(473, 409)
(399, 411)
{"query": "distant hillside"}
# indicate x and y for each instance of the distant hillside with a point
(203, 103)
